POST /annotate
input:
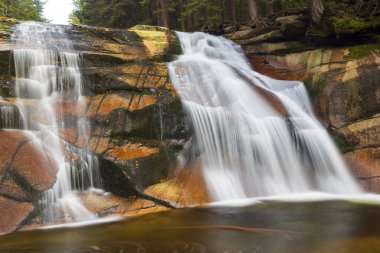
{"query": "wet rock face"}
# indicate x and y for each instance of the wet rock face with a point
(136, 125)
(25, 172)
(366, 165)
(13, 214)
(134, 113)
(343, 83)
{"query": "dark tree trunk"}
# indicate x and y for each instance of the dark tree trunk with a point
(269, 7)
(222, 10)
(233, 11)
(316, 10)
(252, 8)
(163, 13)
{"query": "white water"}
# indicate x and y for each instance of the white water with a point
(9, 117)
(47, 73)
(252, 148)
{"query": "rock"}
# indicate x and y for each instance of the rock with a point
(25, 169)
(229, 29)
(286, 19)
(185, 188)
(103, 204)
(293, 29)
(365, 165)
(128, 169)
(248, 34)
(273, 36)
(13, 214)
(276, 48)
(364, 133)
(292, 26)
(11, 188)
(35, 167)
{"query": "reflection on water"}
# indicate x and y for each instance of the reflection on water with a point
(326, 226)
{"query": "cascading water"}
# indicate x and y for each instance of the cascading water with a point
(47, 75)
(259, 135)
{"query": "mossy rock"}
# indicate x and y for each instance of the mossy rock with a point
(360, 51)
(149, 28)
(342, 143)
(349, 24)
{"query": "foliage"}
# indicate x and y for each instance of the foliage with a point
(357, 52)
(348, 24)
(181, 14)
(109, 13)
(335, 17)
(22, 9)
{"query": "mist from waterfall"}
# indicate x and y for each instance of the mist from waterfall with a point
(258, 135)
(48, 76)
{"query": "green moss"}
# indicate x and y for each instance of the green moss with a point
(149, 28)
(316, 88)
(2, 92)
(343, 144)
(348, 24)
(357, 52)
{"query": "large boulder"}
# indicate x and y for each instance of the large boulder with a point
(25, 162)
(13, 214)
(26, 171)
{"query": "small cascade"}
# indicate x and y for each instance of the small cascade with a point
(259, 136)
(47, 77)
(9, 117)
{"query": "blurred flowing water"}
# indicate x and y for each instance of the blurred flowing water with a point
(48, 76)
(259, 136)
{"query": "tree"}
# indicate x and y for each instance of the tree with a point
(269, 7)
(316, 10)
(22, 9)
(233, 10)
(163, 13)
(252, 8)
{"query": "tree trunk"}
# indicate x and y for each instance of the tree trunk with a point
(316, 10)
(183, 25)
(269, 7)
(163, 13)
(252, 8)
(222, 9)
(233, 11)
(158, 13)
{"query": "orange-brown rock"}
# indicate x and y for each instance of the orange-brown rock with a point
(11, 188)
(131, 151)
(185, 188)
(13, 213)
(10, 141)
(365, 165)
(35, 166)
(25, 169)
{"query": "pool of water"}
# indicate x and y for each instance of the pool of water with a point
(271, 226)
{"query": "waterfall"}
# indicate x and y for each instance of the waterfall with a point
(258, 135)
(47, 78)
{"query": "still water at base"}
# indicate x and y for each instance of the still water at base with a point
(270, 226)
